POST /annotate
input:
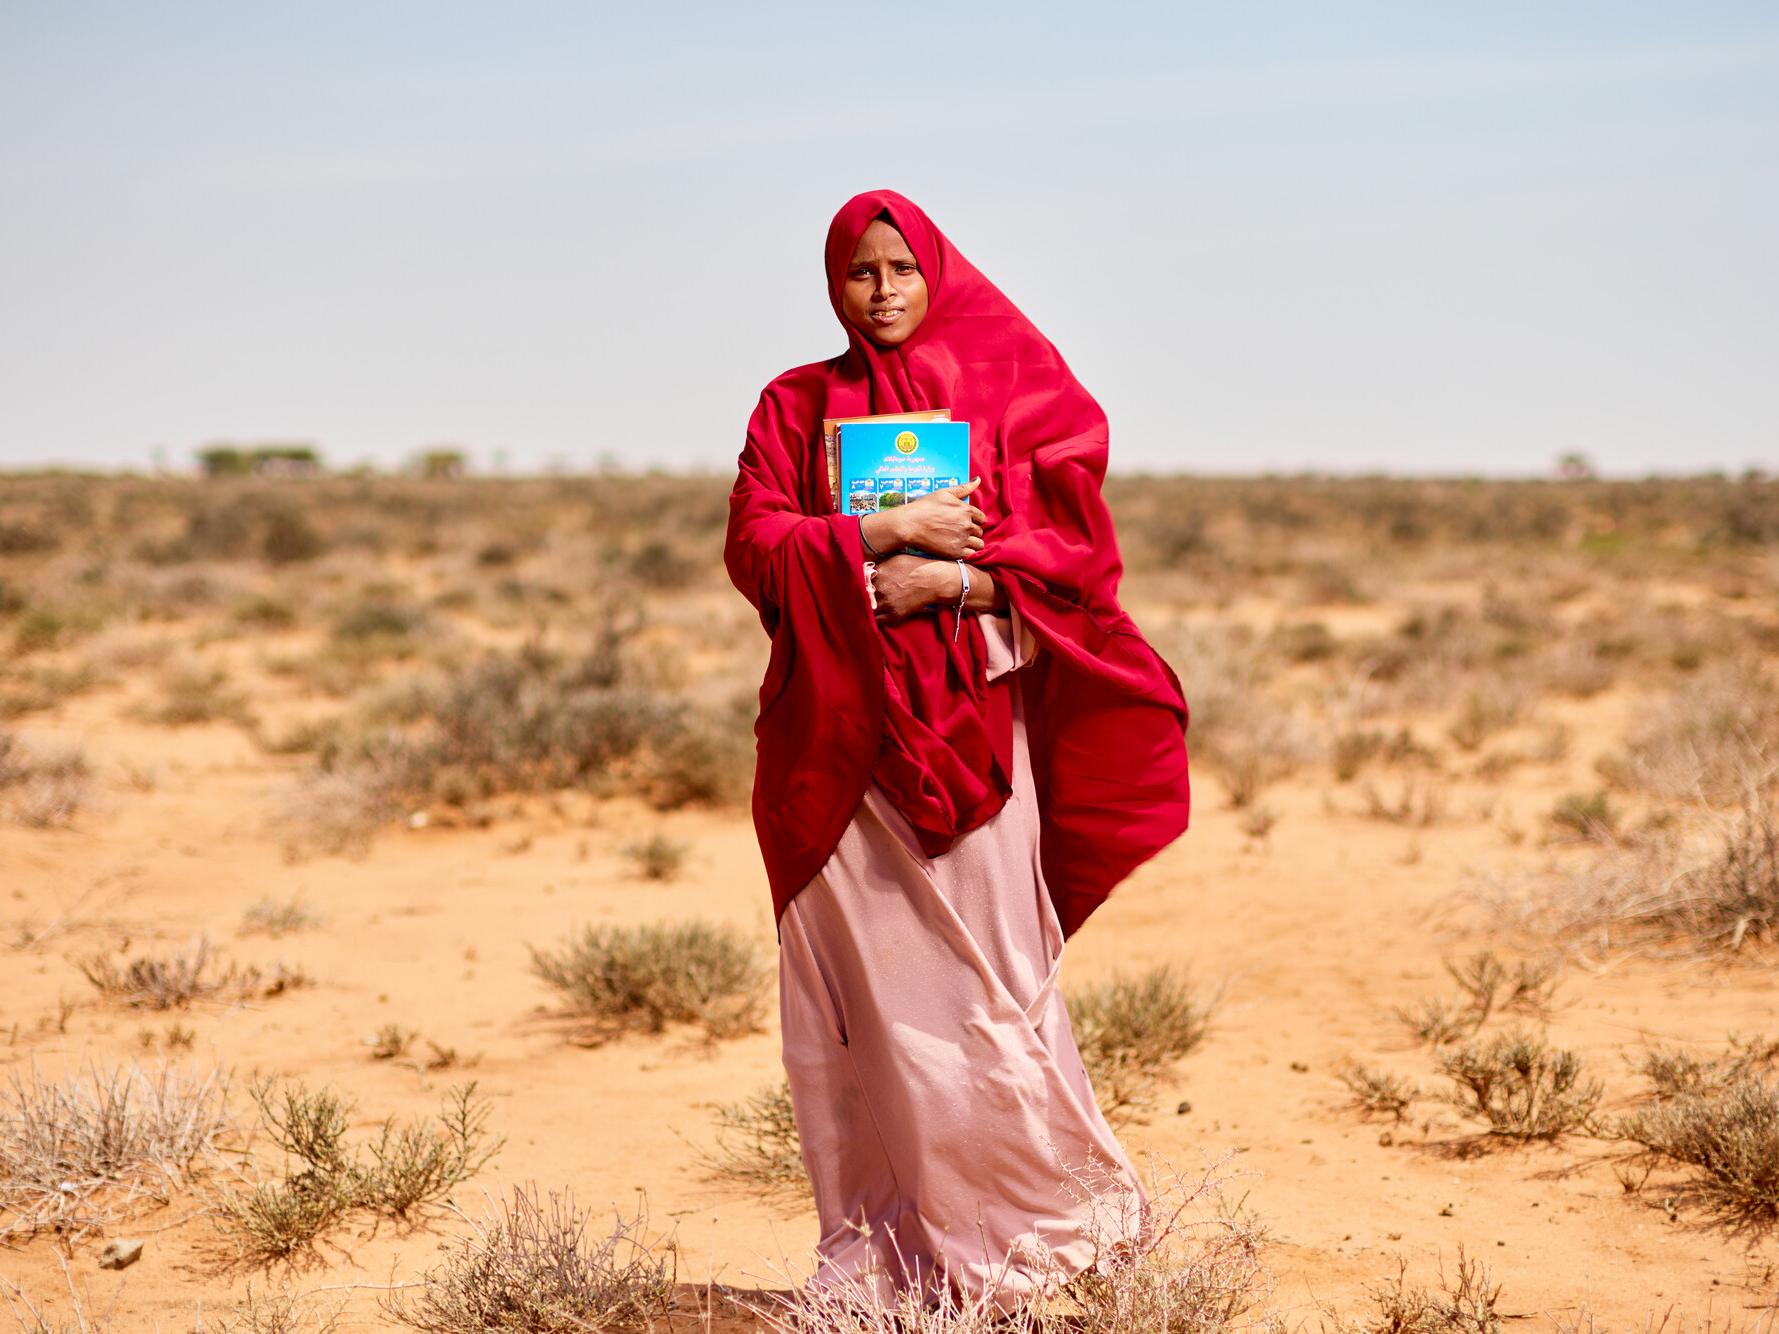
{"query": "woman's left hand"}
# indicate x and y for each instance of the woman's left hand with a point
(907, 584)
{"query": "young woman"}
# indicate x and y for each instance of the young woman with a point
(950, 779)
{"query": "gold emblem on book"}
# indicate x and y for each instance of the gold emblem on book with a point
(907, 441)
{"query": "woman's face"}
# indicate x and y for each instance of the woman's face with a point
(884, 296)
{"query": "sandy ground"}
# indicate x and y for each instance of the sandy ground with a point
(1317, 932)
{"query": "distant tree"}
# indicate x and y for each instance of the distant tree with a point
(286, 460)
(1575, 467)
(225, 461)
(440, 462)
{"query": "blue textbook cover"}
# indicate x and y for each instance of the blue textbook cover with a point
(883, 464)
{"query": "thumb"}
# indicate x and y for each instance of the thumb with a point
(967, 487)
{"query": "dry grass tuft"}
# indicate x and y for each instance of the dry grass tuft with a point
(1703, 740)
(643, 978)
(1130, 1029)
(278, 1312)
(657, 857)
(1700, 888)
(81, 1153)
(530, 1267)
(757, 1145)
(161, 982)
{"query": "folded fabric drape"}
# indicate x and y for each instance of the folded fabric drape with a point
(846, 700)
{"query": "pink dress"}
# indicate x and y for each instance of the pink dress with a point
(937, 1088)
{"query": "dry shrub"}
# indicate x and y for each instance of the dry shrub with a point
(278, 1312)
(1489, 987)
(406, 1166)
(1585, 817)
(643, 978)
(1468, 1303)
(194, 693)
(1500, 703)
(1705, 741)
(530, 1267)
(1418, 803)
(1521, 1086)
(1130, 1029)
(1378, 1092)
(657, 857)
(530, 721)
(1192, 1267)
(81, 1153)
(757, 1145)
(270, 917)
(161, 982)
(1729, 1134)
(41, 790)
(1706, 887)
(1673, 1071)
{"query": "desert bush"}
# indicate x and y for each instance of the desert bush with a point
(194, 693)
(1705, 741)
(278, 1312)
(657, 857)
(757, 1145)
(272, 917)
(1488, 710)
(289, 537)
(1680, 885)
(1673, 1071)
(1729, 1135)
(1131, 1028)
(1488, 984)
(1521, 1086)
(161, 982)
(530, 1267)
(643, 978)
(1435, 1020)
(86, 1151)
(1378, 1092)
(1586, 817)
(406, 1166)
(522, 722)
(1467, 1303)
(41, 790)
(1417, 803)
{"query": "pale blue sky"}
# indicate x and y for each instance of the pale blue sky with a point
(1412, 237)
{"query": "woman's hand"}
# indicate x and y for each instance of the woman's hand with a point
(905, 585)
(943, 523)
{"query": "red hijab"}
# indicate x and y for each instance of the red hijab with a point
(846, 700)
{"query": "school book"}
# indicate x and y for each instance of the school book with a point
(831, 438)
(889, 463)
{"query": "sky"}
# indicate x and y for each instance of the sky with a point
(1430, 238)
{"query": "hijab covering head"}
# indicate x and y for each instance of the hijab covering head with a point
(847, 700)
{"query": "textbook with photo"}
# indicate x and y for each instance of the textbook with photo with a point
(831, 428)
(885, 464)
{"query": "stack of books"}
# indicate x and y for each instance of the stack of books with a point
(875, 463)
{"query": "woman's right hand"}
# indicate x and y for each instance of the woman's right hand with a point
(943, 523)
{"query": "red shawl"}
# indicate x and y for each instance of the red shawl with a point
(846, 700)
